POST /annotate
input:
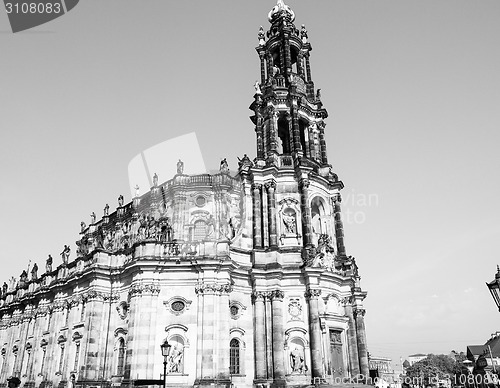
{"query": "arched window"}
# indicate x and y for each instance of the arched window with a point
(200, 230)
(234, 357)
(284, 137)
(121, 357)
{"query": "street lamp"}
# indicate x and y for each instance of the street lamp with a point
(165, 351)
(470, 367)
(494, 287)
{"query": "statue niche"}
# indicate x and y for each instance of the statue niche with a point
(289, 225)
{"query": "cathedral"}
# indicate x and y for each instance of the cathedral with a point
(244, 276)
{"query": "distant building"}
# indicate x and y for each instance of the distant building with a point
(382, 373)
(490, 350)
(416, 358)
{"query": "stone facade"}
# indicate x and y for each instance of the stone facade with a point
(245, 276)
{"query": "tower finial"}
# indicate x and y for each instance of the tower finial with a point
(280, 8)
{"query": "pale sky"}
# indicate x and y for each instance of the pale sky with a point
(413, 93)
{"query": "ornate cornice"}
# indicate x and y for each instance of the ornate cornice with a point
(216, 288)
(143, 289)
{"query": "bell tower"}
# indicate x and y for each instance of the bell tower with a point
(288, 113)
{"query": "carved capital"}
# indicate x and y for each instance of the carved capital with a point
(95, 295)
(276, 295)
(258, 296)
(312, 293)
(304, 184)
(213, 288)
(140, 289)
(337, 198)
(256, 186)
(359, 312)
(270, 186)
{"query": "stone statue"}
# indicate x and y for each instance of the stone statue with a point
(136, 190)
(223, 166)
(175, 359)
(318, 94)
(180, 167)
(257, 87)
(276, 70)
(106, 210)
(120, 200)
(24, 276)
(5, 287)
(303, 33)
(82, 227)
(244, 161)
(34, 272)
(92, 218)
(155, 180)
(48, 264)
(65, 254)
(261, 36)
(289, 223)
(297, 363)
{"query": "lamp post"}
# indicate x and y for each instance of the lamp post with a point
(165, 351)
(494, 287)
(470, 367)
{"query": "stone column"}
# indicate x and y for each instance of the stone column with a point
(208, 344)
(223, 333)
(288, 56)
(322, 144)
(269, 335)
(262, 68)
(300, 68)
(271, 212)
(257, 216)
(339, 228)
(278, 337)
(361, 337)
(352, 340)
(297, 147)
(308, 68)
(260, 335)
(291, 138)
(312, 296)
(306, 211)
(273, 133)
(93, 352)
(260, 135)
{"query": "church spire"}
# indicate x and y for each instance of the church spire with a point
(288, 111)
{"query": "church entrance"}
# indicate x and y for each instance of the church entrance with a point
(336, 358)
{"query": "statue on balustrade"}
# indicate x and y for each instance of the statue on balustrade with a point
(65, 254)
(224, 166)
(34, 272)
(48, 264)
(180, 167)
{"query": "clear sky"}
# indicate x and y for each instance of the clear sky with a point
(413, 93)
